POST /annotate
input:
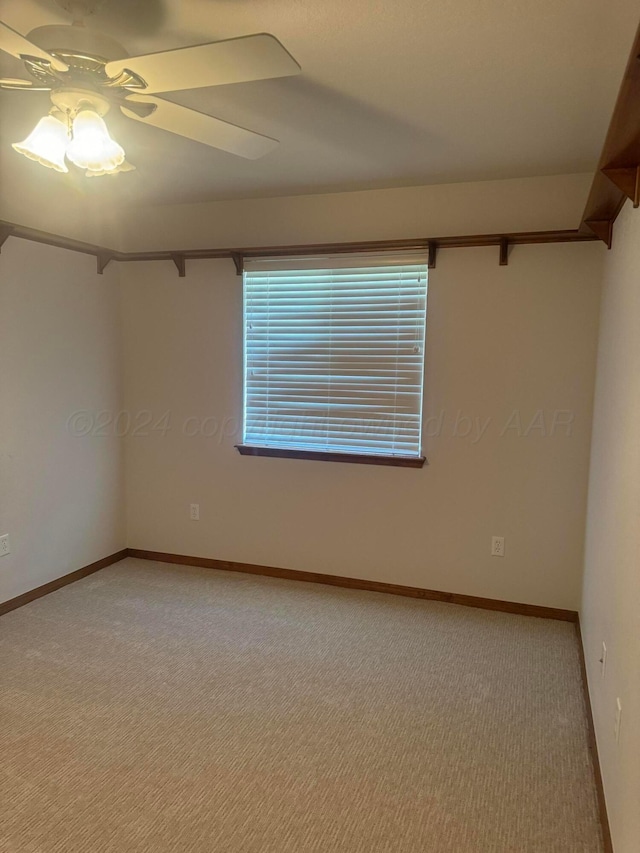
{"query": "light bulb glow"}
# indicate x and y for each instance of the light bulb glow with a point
(91, 147)
(46, 144)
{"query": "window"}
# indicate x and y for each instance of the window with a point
(334, 359)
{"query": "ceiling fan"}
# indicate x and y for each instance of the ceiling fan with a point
(87, 73)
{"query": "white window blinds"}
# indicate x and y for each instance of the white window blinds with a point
(334, 357)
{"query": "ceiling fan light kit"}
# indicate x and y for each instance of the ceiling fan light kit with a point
(91, 146)
(46, 144)
(87, 74)
(74, 130)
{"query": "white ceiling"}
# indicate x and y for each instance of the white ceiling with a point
(393, 93)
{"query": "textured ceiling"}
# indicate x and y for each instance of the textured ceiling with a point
(393, 93)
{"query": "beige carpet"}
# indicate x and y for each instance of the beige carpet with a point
(159, 708)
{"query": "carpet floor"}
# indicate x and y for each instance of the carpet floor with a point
(156, 708)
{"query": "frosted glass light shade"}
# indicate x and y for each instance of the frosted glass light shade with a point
(91, 147)
(46, 144)
(123, 167)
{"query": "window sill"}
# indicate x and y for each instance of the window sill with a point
(328, 456)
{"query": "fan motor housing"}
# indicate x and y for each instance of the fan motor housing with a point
(70, 101)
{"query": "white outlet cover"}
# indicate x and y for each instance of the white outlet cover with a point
(497, 546)
(194, 512)
(5, 546)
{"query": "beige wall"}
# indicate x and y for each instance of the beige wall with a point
(501, 340)
(496, 339)
(60, 495)
(611, 596)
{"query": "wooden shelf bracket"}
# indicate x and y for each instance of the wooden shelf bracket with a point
(602, 228)
(181, 263)
(102, 260)
(627, 179)
(504, 251)
(238, 260)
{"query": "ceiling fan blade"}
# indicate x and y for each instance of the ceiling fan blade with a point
(20, 47)
(202, 128)
(239, 60)
(21, 85)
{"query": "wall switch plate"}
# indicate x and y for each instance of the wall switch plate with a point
(5, 547)
(603, 659)
(194, 512)
(616, 729)
(497, 546)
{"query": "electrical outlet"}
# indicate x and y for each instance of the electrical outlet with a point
(497, 546)
(194, 512)
(603, 659)
(616, 729)
(5, 547)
